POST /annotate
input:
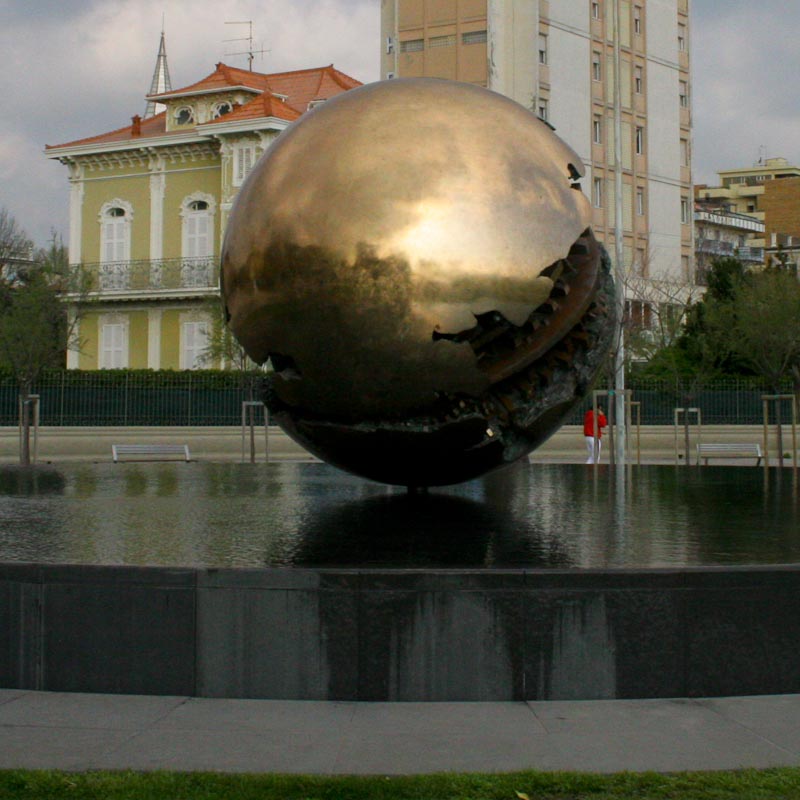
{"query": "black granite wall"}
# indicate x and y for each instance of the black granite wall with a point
(400, 635)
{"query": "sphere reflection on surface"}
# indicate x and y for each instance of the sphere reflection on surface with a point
(416, 260)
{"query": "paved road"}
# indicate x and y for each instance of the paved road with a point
(92, 731)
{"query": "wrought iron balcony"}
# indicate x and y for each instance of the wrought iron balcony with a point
(717, 247)
(754, 255)
(165, 276)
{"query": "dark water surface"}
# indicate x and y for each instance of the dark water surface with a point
(543, 515)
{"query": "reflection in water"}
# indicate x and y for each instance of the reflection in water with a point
(402, 530)
(536, 516)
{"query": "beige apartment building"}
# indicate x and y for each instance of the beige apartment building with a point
(555, 57)
(744, 191)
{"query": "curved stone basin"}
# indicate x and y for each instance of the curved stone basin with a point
(298, 582)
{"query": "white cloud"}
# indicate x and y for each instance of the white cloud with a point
(83, 67)
(744, 58)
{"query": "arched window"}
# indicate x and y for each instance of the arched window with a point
(221, 109)
(115, 231)
(197, 212)
(184, 115)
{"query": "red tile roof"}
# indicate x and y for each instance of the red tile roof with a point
(299, 87)
(265, 105)
(303, 86)
(152, 126)
(223, 77)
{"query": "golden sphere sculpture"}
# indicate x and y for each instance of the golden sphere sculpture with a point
(415, 258)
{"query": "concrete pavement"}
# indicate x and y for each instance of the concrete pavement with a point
(655, 443)
(92, 731)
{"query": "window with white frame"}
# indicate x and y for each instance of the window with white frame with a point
(115, 231)
(595, 10)
(542, 48)
(221, 109)
(597, 192)
(244, 156)
(194, 343)
(184, 115)
(637, 20)
(597, 70)
(683, 93)
(113, 343)
(640, 202)
(638, 79)
(639, 140)
(684, 152)
(197, 212)
(684, 211)
(597, 130)
(681, 37)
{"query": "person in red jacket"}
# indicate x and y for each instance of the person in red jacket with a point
(593, 445)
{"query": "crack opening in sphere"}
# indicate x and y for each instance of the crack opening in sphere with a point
(286, 366)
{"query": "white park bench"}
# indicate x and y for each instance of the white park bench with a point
(147, 452)
(706, 451)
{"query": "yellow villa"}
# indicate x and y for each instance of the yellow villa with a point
(149, 203)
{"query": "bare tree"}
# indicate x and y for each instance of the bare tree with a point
(657, 313)
(222, 347)
(16, 249)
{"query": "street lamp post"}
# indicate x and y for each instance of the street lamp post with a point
(619, 276)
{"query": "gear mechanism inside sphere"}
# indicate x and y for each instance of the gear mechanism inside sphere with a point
(414, 257)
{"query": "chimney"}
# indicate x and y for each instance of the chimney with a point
(136, 125)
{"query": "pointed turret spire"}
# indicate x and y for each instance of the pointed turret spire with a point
(161, 82)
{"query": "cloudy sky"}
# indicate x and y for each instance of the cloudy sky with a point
(76, 68)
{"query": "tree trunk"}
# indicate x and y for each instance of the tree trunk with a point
(25, 426)
(688, 455)
(779, 431)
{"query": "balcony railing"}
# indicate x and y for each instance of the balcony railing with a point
(715, 247)
(751, 254)
(718, 247)
(163, 275)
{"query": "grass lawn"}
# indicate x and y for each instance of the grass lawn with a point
(741, 785)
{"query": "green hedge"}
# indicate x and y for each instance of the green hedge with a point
(214, 397)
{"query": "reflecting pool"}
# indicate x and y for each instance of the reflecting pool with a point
(302, 514)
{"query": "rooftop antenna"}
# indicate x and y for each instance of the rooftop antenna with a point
(762, 155)
(250, 52)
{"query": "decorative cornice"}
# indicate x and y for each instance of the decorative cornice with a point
(206, 91)
(154, 159)
(101, 148)
(246, 126)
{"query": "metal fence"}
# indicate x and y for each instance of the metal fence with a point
(73, 398)
(70, 398)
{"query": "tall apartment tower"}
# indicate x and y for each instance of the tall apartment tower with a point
(556, 57)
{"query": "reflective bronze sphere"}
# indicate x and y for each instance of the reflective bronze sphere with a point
(415, 258)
